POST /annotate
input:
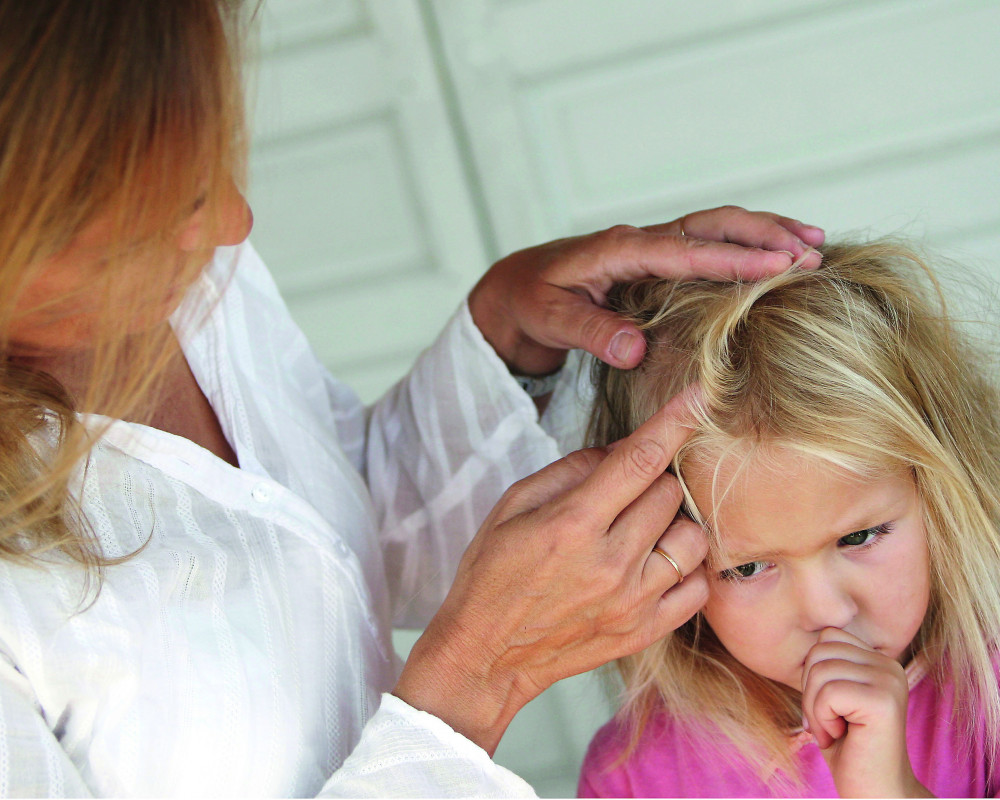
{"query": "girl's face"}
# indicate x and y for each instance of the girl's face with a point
(806, 547)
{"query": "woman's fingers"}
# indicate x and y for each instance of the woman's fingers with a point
(809, 234)
(567, 310)
(624, 253)
(546, 485)
(759, 229)
(632, 467)
(570, 312)
(674, 607)
(675, 555)
(537, 303)
(582, 324)
(558, 580)
(674, 573)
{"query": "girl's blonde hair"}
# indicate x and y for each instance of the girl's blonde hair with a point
(123, 112)
(855, 363)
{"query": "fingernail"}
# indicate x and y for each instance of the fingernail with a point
(621, 346)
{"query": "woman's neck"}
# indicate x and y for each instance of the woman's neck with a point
(175, 403)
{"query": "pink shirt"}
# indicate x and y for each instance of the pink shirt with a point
(668, 763)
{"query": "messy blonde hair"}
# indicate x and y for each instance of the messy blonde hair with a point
(124, 111)
(857, 364)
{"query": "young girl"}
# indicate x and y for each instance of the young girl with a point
(845, 463)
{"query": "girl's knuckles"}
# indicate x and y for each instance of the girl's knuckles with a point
(882, 703)
(819, 674)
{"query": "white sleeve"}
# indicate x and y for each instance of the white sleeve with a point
(408, 753)
(443, 445)
(32, 761)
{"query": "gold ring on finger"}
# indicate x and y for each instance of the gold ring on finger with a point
(670, 559)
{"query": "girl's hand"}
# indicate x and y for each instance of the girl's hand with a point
(854, 702)
(536, 304)
(560, 579)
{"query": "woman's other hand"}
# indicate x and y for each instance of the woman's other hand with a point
(536, 304)
(560, 579)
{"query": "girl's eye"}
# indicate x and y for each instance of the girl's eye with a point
(744, 571)
(867, 536)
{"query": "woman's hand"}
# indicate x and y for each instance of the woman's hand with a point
(562, 578)
(536, 304)
(854, 700)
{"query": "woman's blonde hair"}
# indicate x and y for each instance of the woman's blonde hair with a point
(127, 112)
(855, 363)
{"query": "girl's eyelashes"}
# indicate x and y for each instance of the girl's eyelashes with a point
(745, 572)
(865, 538)
(858, 540)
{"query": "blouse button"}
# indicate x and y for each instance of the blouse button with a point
(260, 493)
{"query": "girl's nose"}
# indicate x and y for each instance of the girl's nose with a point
(824, 601)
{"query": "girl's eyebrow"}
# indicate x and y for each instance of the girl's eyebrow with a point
(881, 509)
(746, 557)
(875, 513)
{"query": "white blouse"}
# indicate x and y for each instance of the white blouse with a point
(244, 648)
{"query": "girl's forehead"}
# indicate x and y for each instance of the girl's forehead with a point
(776, 498)
(739, 463)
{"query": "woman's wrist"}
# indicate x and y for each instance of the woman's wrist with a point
(522, 354)
(469, 694)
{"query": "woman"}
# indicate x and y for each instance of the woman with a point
(206, 539)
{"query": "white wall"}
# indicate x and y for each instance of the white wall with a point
(402, 145)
